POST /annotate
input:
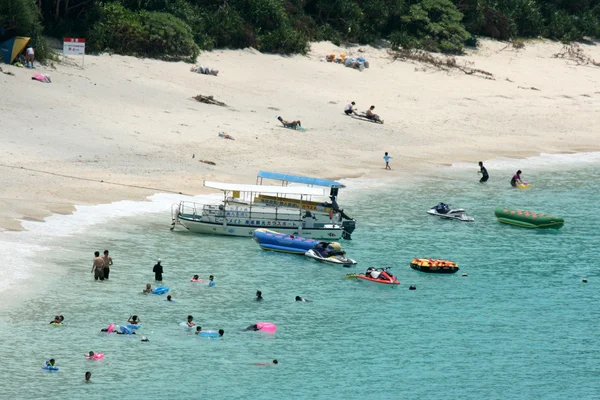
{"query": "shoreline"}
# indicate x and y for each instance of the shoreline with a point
(133, 122)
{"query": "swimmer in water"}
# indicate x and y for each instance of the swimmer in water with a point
(221, 332)
(61, 319)
(91, 354)
(134, 320)
(148, 288)
(50, 363)
(274, 362)
(190, 322)
(211, 281)
(252, 328)
(516, 179)
(57, 320)
(145, 339)
(169, 297)
(88, 377)
(302, 299)
(195, 278)
(198, 330)
(258, 295)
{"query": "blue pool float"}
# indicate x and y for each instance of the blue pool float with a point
(126, 330)
(49, 367)
(160, 290)
(209, 334)
(132, 326)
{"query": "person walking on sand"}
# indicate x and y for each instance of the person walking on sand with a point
(98, 266)
(158, 270)
(107, 264)
(386, 158)
(483, 172)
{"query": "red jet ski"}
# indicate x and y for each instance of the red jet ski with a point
(379, 275)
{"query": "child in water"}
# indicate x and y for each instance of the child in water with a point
(190, 322)
(148, 288)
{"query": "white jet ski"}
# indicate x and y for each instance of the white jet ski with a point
(445, 212)
(333, 257)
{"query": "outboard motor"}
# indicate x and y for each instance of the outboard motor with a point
(348, 225)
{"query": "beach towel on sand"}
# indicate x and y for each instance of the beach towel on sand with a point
(41, 78)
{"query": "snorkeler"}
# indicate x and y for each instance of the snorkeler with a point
(302, 299)
(258, 295)
(190, 322)
(134, 320)
(252, 328)
(148, 288)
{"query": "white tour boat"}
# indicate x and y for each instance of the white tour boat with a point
(240, 215)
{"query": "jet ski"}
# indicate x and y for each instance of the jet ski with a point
(379, 275)
(323, 253)
(445, 212)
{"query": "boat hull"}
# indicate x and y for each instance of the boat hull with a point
(458, 215)
(346, 262)
(365, 278)
(528, 219)
(434, 270)
(195, 226)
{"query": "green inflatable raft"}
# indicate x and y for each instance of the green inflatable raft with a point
(528, 219)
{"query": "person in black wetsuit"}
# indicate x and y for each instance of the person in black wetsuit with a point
(158, 271)
(483, 172)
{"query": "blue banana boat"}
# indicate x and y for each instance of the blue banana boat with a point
(275, 241)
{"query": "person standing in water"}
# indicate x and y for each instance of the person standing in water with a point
(88, 377)
(158, 270)
(516, 179)
(483, 172)
(211, 281)
(258, 295)
(386, 158)
(98, 266)
(107, 264)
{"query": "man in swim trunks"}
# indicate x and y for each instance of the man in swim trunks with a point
(349, 109)
(288, 124)
(483, 172)
(98, 266)
(107, 263)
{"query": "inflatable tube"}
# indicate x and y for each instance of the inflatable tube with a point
(209, 334)
(96, 356)
(49, 368)
(126, 330)
(528, 219)
(266, 327)
(160, 290)
(111, 328)
(56, 324)
(133, 326)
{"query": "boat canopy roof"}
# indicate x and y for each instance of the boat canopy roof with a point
(299, 179)
(305, 191)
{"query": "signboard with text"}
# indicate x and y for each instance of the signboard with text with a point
(74, 46)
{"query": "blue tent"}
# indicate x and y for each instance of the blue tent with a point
(10, 49)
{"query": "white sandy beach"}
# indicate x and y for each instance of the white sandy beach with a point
(134, 122)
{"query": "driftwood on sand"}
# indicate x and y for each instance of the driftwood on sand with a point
(209, 100)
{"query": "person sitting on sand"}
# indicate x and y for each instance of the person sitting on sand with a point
(371, 115)
(288, 124)
(349, 109)
(148, 288)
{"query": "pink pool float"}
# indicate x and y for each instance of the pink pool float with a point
(94, 356)
(110, 328)
(266, 327)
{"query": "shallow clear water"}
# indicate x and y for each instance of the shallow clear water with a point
(522, 325)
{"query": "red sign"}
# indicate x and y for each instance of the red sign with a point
(74, 40)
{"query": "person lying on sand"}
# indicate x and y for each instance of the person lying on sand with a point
(289, 124)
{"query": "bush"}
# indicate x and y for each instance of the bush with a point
(496, 25)
(147, 34)
(562, 26)
(284, 40)
(435, 25)
(525, 17)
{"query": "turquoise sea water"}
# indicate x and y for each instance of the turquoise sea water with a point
(521, 325)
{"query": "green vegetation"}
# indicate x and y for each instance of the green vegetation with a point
(179, 29)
